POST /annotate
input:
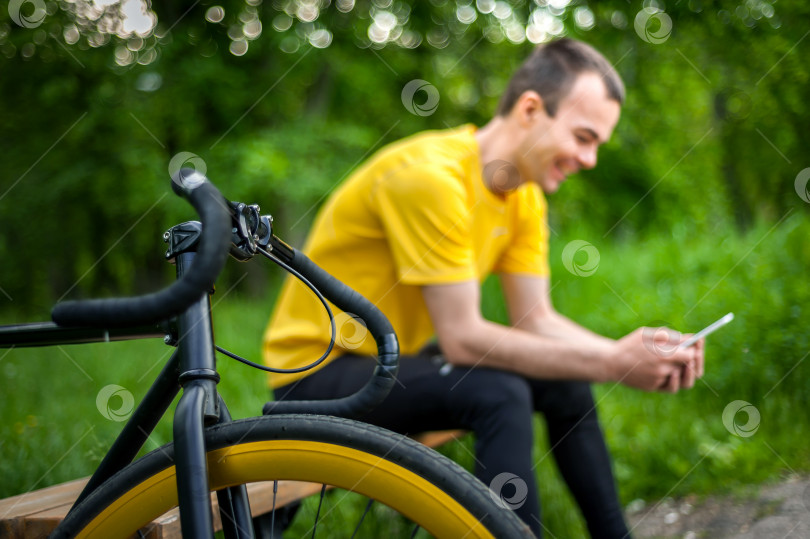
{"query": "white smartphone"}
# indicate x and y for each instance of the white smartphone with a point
(711, 328)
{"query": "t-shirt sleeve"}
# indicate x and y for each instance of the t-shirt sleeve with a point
(423, 210)
(527, 252)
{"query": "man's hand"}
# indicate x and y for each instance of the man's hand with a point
(689, 372)
(649, 359)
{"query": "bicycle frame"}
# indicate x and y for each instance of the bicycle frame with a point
(192, 368)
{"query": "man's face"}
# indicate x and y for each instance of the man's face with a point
(552, 148)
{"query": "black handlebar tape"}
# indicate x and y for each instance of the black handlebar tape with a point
(206, 266)
(381, 330)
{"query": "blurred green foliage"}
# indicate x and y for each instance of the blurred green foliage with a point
(711, 140)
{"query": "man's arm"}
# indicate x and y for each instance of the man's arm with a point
(529, 302)
(467, 339)
(528, 299)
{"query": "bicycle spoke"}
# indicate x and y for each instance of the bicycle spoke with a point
(273, 510)
(415, 529)
(318, 512)
(368, 506)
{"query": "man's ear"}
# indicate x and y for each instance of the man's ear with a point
(528, 107)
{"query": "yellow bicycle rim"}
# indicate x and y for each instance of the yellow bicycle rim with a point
(317, 462)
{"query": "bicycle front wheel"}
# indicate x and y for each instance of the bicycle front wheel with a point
(424, 487)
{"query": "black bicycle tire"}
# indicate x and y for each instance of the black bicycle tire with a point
(397, 449)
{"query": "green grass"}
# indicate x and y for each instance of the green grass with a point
(677, 444)
(663, 445)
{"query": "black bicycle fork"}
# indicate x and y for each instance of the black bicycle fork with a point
(193, 368)
(200, 406)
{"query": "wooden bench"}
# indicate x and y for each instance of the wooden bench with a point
(36, 514)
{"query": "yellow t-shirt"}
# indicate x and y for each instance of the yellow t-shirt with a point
(416, 213)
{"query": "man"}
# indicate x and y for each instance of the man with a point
(418, 227)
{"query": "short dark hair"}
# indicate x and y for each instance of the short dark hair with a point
(551, 71)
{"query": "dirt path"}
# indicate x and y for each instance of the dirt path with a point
(775, 511)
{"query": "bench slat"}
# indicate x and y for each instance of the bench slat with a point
(39, 500)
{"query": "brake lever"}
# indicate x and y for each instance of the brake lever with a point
(265, 232)
(246, 223)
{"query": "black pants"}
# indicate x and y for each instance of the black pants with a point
(497, 406)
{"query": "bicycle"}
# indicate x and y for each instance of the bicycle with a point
(311, 441)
